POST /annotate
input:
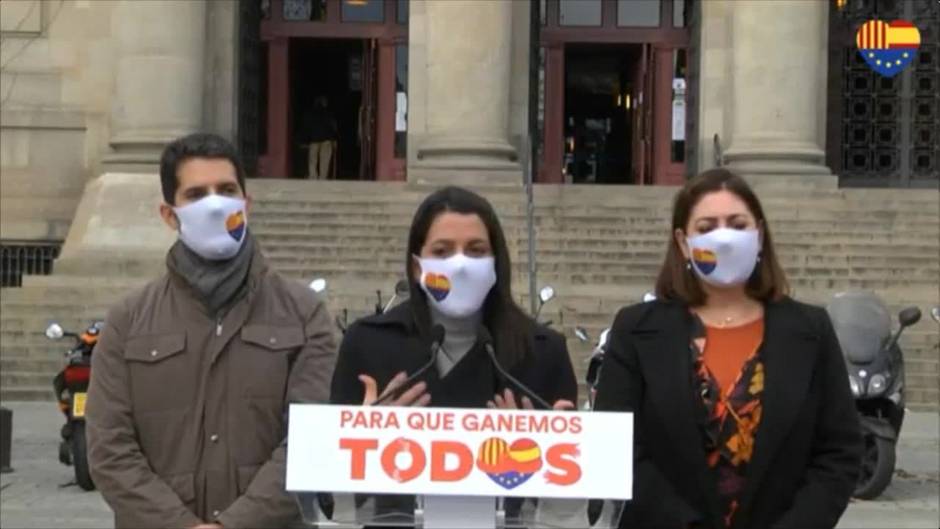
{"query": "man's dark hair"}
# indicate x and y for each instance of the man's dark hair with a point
(196, 145)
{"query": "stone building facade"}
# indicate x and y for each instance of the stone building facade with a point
(91, 91)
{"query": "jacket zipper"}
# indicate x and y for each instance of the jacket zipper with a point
(218, 327)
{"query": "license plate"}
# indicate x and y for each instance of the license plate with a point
(78, 404)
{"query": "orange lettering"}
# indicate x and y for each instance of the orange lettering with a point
(357, 450)
(563, 457)
(439, 451)
(344, 417)
(418, 460)
(575, 425)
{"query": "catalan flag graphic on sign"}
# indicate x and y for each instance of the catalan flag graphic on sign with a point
(888, 47)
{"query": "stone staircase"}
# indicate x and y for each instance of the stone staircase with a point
(599, 246)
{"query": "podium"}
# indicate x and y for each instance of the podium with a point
(458, 468)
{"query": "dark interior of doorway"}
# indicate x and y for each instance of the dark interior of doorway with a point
(600, 108)
(331, 68)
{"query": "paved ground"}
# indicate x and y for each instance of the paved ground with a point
(33, 496)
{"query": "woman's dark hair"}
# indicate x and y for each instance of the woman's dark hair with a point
(509, 325)
(677, 282)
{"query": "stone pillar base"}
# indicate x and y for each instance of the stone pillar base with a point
(117, 229)
(468, 177)
(470, 153)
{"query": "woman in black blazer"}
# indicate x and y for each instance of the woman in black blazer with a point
(743, 413)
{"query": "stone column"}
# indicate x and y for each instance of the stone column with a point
(778, 65)
(468, 77)
(160, 48)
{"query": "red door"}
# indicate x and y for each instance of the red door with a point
(367, 110)
(643, 119)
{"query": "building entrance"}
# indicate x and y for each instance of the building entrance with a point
(617, 106)
(330, 86)
(601, 113)
(323, 88)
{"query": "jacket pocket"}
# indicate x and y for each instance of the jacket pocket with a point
(264, 363)
(151, 349)
(273, 338)
(161, 374)
(245, 475)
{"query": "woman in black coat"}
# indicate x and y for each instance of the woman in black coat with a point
(743, 413)
(459, 273)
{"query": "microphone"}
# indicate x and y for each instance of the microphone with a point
(437, 340)
(483, 334)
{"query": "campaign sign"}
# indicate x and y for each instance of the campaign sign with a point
(466, 452)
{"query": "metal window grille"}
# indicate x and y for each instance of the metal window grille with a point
(19, 258)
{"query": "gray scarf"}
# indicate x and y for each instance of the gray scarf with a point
(219, 284)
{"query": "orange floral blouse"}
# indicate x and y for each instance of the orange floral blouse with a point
(731, 421)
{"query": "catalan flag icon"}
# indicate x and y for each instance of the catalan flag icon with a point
(888, 47)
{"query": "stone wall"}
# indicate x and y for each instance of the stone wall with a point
(55, 90)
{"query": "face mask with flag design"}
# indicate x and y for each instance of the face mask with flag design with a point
(458, 285)
(214, 227)
(724, 257)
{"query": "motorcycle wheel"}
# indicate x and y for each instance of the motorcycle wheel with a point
(80, 457)
(877, 467)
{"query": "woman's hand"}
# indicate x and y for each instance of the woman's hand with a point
(416, 395)
(507, 401)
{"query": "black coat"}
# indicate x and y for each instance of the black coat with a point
(808, 445)
(383, 345)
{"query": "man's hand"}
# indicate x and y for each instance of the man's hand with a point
(416, 395)
(208, 526)
(507, 401)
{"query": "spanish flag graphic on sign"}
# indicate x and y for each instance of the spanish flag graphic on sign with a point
(509, 465)
(888, 48)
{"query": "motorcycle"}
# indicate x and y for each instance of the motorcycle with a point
(71, 390)
(876, 377)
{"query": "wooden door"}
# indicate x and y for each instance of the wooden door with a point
(643, 118)
(367, 110)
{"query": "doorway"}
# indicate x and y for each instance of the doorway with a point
(332, 87)
(601, 113)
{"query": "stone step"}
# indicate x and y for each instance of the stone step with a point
(796, 274)
(397, 242)
(923, 399)
(604, 194)
(27, 393)
(614, 228)
(333, 212)
(26, 378)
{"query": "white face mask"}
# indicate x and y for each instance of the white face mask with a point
(725, 257)
(458, 285)
(213, 227)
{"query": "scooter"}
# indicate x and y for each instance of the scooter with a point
(546, 294)
(593, 375)
(319, 285)
(876, 377)
(71, 390)
(402, 291)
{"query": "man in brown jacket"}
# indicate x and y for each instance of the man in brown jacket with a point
(187, 410)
